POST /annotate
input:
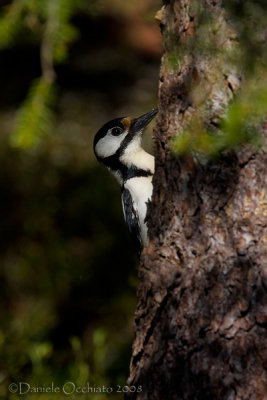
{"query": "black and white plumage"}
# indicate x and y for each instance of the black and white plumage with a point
(118, 146)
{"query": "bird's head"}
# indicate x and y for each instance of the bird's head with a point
(120, 139)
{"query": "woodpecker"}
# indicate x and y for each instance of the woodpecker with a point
(118, 146)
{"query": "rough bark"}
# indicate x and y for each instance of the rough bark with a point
(201, 318)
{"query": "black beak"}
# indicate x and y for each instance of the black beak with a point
(139, 123)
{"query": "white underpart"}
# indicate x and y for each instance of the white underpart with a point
(109, 144)
(141, 191)
(140, 187)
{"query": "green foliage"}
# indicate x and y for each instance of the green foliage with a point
(49, 23)
(43, 17)
(241, 124)
(35, 116)
(249, 108)
(60, 31)
(50, 20)
(241, 121)
(11, 23)
(251, 20)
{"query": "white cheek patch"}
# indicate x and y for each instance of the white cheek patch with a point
(109, 144)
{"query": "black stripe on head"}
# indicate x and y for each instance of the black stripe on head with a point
(136, 126)
(113, 162)
(126, 141)
(105, 128)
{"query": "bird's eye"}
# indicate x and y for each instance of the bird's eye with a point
(116, 131)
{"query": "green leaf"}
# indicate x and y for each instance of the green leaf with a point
(240, 124)
(61, 33)
(35, 117)
(11, 23)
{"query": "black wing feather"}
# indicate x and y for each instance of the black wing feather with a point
(132, 220)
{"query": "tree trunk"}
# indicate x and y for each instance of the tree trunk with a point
(200, 321)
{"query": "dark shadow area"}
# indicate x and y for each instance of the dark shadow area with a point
(68, 270)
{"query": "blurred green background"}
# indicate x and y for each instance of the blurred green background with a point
(68, 271)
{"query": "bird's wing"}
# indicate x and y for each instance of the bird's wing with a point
(131, 219)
